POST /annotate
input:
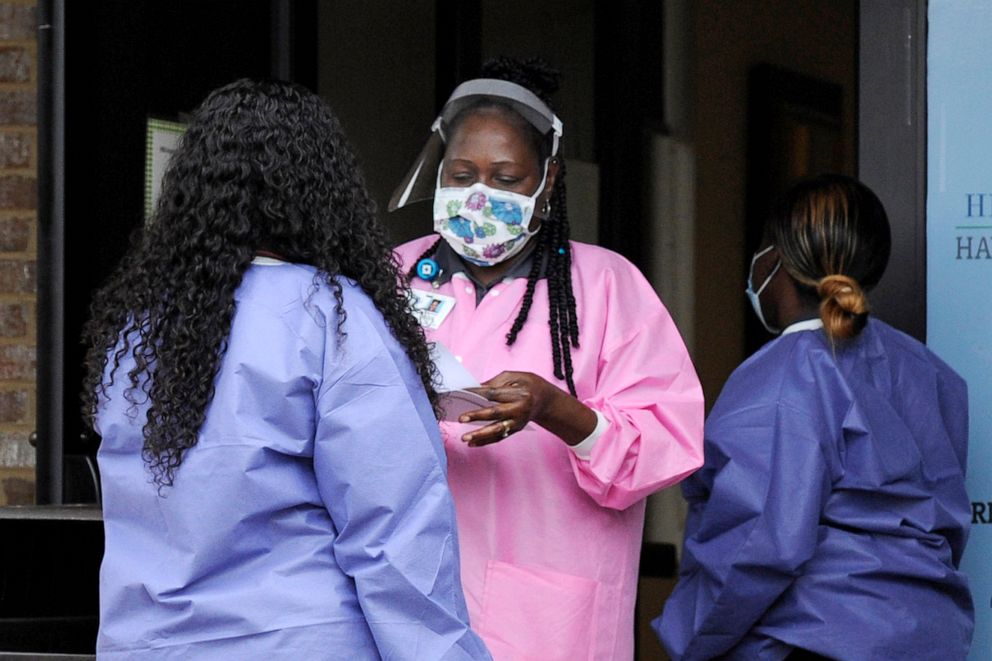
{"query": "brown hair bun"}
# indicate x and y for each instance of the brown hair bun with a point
(843, 306)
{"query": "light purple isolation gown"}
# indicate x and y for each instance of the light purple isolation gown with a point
(312, 519)
(831, 512)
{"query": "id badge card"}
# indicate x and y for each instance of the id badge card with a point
(431, 308)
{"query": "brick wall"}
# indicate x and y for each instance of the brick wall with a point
(18, 219)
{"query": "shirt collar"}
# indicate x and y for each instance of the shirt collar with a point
(450, 263)
(262, 260)
(805, 325)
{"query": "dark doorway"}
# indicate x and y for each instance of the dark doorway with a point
(107, 67)
(795, 130)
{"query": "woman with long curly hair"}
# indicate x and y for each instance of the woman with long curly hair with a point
(273, 478)
(593, 401)
(831, 514)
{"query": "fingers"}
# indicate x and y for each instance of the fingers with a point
(490, 433)
(506, 411)
(511, 413)
(505, 394)
(507, 418)
(504, 379)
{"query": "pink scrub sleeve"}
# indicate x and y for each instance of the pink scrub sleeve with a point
(647, 389)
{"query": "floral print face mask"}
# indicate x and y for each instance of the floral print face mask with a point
(482, 224)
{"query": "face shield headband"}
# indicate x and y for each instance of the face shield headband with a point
(419, 182)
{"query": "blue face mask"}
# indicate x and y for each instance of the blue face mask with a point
(754, 296)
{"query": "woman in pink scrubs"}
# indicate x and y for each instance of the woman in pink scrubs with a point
(550, 479)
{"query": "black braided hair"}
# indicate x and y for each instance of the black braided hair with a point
(264, 165)
(552, 251)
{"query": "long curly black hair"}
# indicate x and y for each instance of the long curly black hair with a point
(552, 255)
(263, 166)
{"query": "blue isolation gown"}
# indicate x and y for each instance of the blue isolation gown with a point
(831, 512)
(312, 519)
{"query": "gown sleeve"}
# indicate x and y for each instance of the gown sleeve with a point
(380, 470)
(648, 391)
(753, 523)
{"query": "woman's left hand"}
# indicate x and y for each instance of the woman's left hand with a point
(526, 397)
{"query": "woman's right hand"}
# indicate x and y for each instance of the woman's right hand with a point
(524, 397)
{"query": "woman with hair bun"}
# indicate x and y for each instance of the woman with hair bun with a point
(273, 477)
(593, 402)
(830, 515)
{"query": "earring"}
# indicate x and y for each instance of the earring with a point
(546, 208)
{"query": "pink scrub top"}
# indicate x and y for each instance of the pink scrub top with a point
(550, 541)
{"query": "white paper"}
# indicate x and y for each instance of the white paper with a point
(454, 375)
(454, 379)
(456, 402)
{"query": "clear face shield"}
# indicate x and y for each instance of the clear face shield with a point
(419, 183)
